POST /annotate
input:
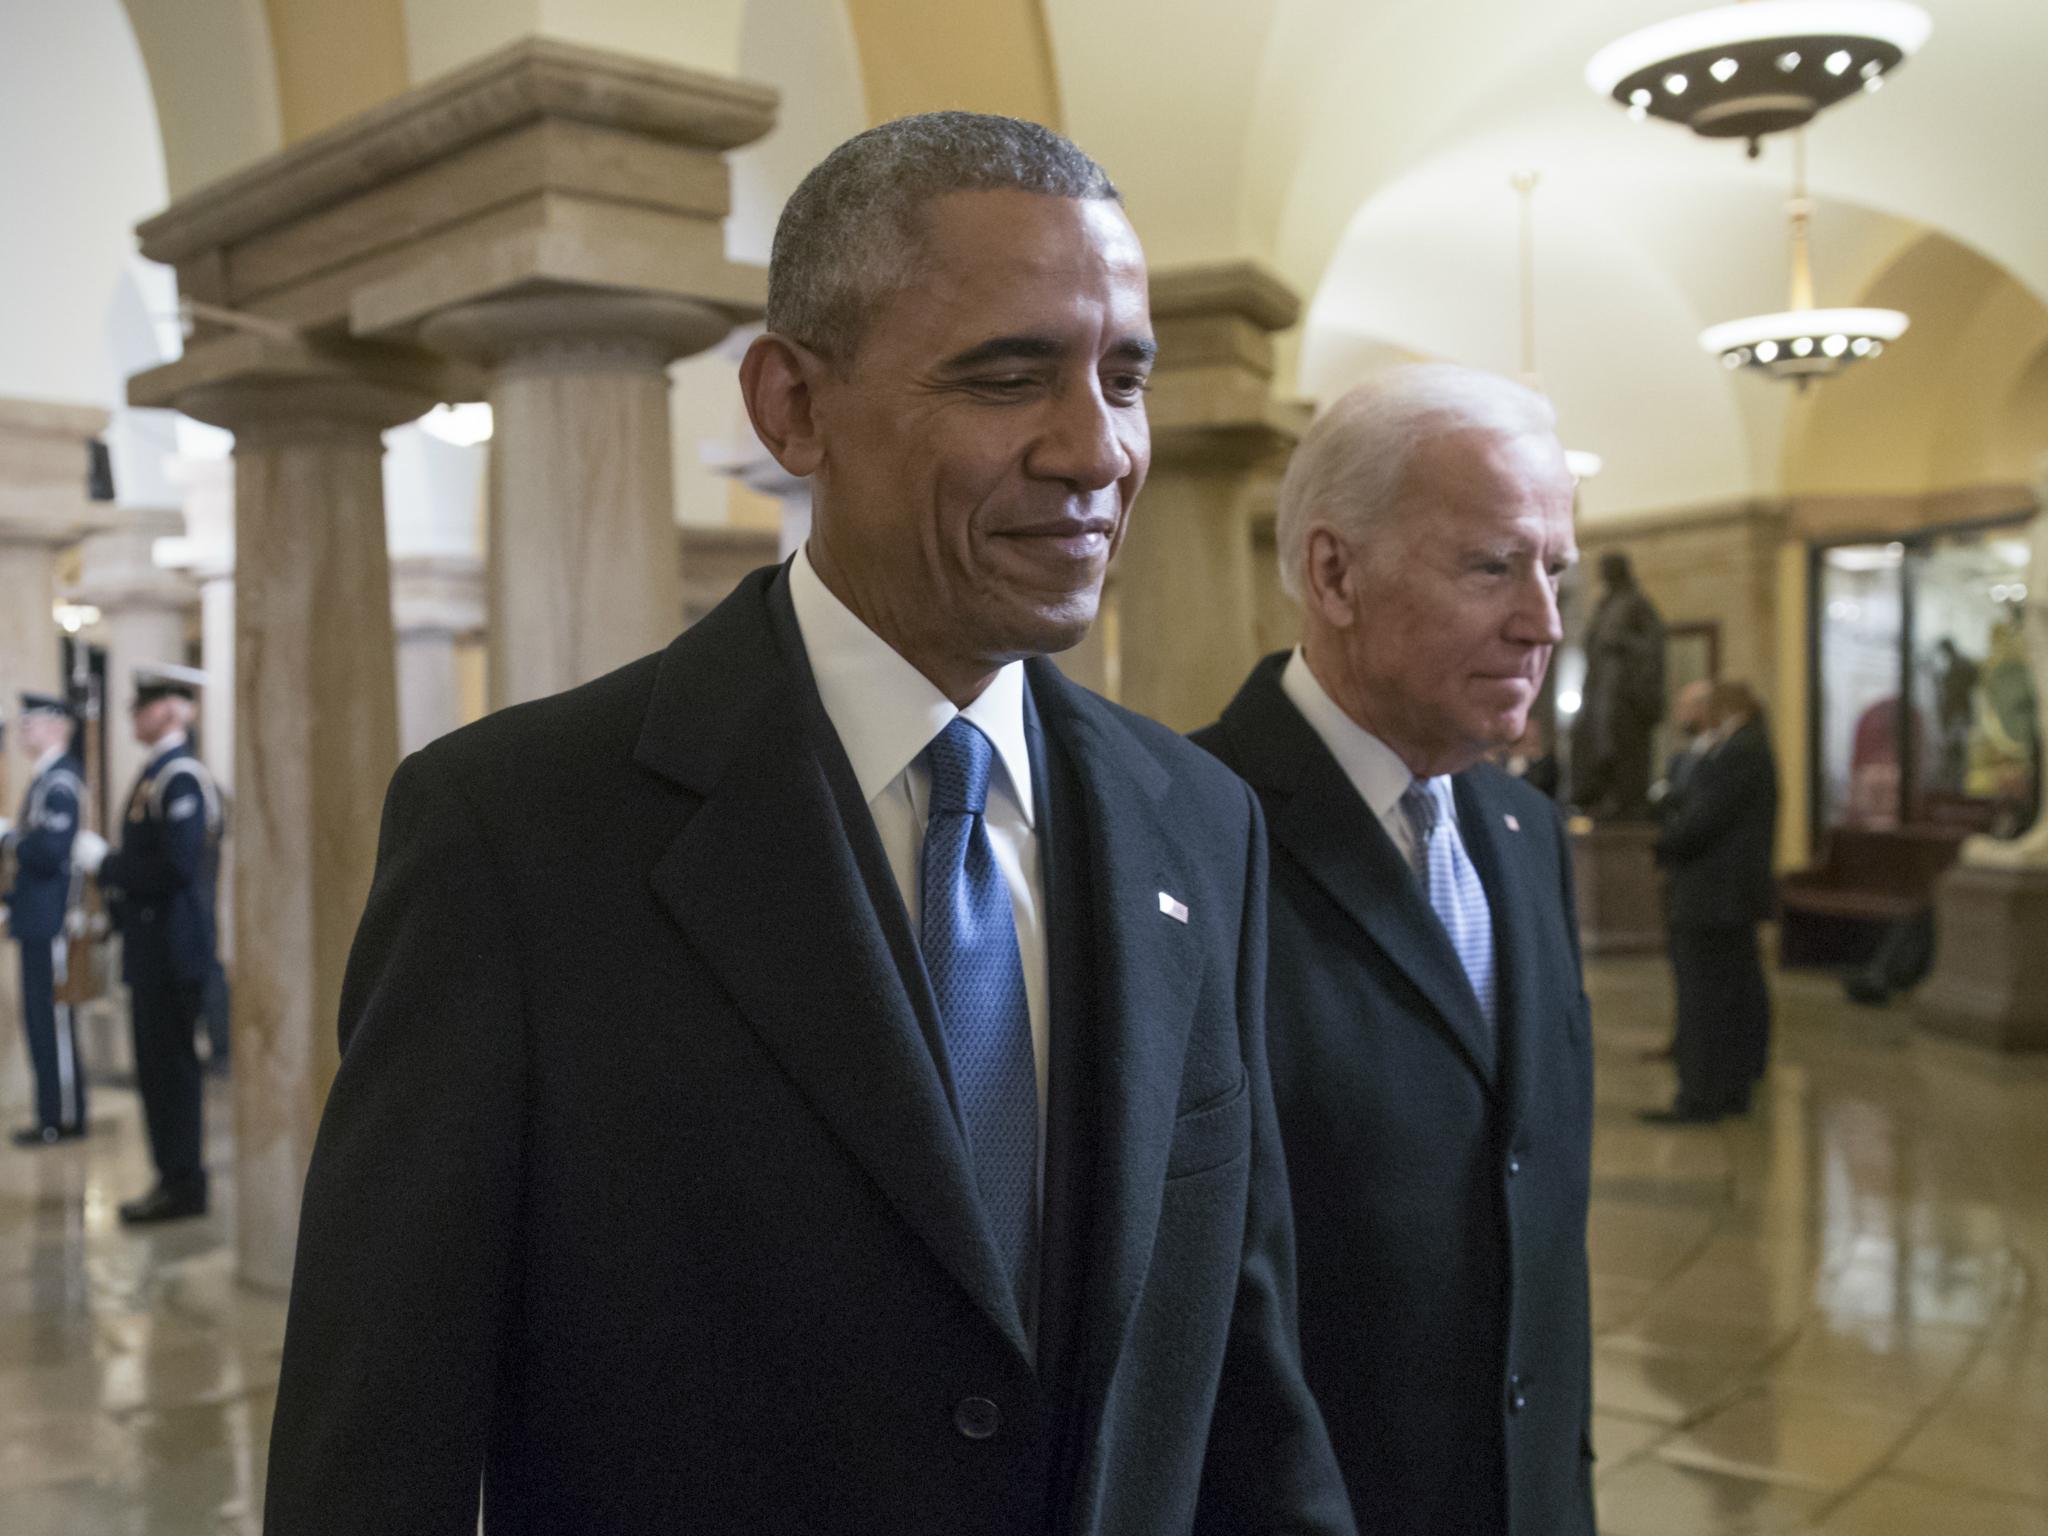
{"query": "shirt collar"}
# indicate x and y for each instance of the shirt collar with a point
(1374, 768)
(51, 757)
(168, 745)
(884, 710)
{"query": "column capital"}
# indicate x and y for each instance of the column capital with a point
(542, 165)
(1212, 392)
(266, 388)
(574, 329)
(118, 572)
(43, 463)
(437, 594)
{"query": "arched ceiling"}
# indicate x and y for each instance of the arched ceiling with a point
(1935, 412)
(72, 86)
(1365, 151)
(1362, 149)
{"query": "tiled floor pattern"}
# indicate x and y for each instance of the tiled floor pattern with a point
(1823, 1318)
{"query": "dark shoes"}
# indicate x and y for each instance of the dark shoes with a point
(167, 1202)
(47, 1135)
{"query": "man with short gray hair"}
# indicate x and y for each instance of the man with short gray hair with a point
(813, 1080)
(1427, 1027)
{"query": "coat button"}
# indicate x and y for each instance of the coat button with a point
(1517, 1398)
(1514, 1165)
(977, 1418)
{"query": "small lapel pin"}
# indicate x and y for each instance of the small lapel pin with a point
(1509, 818)
(1177, 910)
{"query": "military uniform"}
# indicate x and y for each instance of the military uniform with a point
(160, 885)
(37, 903)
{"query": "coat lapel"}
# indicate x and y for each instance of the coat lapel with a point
(1326, 828)
(778, 864)
(1146, 969)
(1501, 856)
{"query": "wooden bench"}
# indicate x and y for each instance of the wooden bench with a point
(1835, 913)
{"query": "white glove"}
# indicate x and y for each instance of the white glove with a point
(88, 851)
(6, 826)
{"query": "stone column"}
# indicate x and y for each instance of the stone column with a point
(1187, 614)
(145, 615)
(43, 508)
(316, 725)
(583, 573)
(437, 603)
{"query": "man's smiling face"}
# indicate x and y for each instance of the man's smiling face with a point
(980, 451)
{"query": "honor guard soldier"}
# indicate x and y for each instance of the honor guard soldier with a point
(160, 888)
(37, 902)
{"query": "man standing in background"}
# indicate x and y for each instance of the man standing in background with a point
(36, 906)
(1715, 848)
(160, 885)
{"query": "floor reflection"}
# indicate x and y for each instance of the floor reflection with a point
(1822, 1318)
(136, 1376)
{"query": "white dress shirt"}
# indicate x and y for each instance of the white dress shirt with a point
(886, 713)
(1374, 768)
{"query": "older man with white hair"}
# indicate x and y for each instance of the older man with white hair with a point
(1426, 1022)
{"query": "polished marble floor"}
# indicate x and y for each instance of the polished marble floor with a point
(1823, 1318)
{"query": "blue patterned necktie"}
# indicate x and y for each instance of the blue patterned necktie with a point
(1455, 894)
(970, 951)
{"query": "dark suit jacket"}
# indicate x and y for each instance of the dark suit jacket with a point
(640, 1193)
(42, 852)
(1718, 833)
(161, 880)
(1440, 1184)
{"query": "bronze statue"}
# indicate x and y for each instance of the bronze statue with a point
(1622, 700)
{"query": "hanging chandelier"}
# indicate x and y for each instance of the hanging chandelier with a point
(1582, 464)
(1760, 66)
(1802, 343)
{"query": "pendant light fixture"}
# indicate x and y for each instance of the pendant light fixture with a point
(1803, 343)
(1760, 66)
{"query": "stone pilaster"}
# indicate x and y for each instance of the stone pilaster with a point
(316, 721)
(1186, 616)
(437, 605)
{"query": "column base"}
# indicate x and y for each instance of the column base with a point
(1620, 897)
(1990, 981)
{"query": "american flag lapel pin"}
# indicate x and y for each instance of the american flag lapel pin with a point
(1177, 910)
(1513, 824)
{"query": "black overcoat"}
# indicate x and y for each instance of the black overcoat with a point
(640, 1197)
(1440, 1178)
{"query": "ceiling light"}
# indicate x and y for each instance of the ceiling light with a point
(1746, 70)
(1782, 345)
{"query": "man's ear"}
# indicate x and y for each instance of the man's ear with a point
(1327, 576)
(778, 379)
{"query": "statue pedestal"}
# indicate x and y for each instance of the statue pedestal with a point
(1620, 897)
(1990, 981)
